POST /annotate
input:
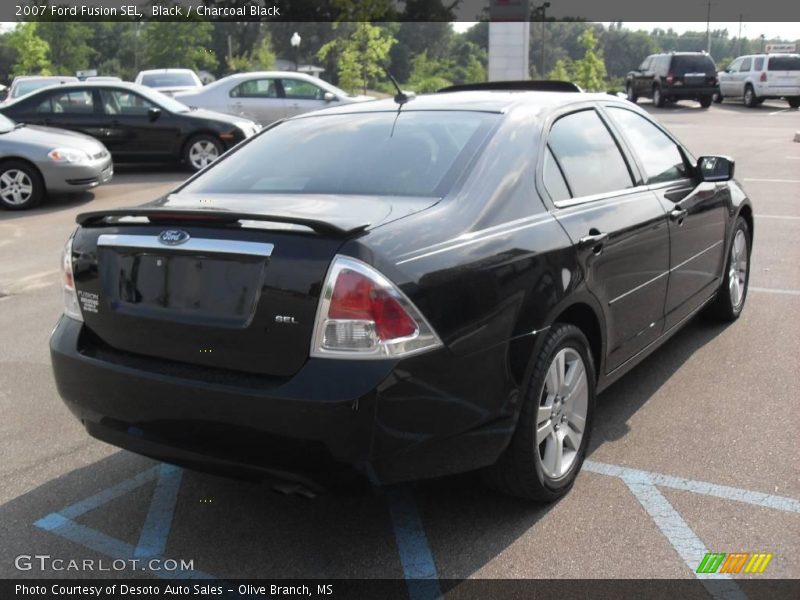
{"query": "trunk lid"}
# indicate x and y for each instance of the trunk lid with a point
(231, 288)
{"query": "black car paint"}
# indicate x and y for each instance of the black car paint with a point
(491, 266)
(132, 138)
(643, 82)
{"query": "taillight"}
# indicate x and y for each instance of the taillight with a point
(71, 306)
(363, 315)
(670, 78)
(763, 76)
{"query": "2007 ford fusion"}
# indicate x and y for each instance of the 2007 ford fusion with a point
(403, 288)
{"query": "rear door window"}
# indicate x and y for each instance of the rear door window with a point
(758, 63)
(588, 155)
(255, 88)
(784, 63)
(554, 179)
(660, 156)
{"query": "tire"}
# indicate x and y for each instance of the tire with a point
(632, 97)
(732, 293)
(658, 97)
(794, 101)
(705, 101)
(201, 150)
(750, 99)
(718, 97)
(528, 469)
(21, 185)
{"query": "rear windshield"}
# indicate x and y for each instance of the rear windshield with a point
(383, 153)
(26, 87)
(693, 64)
(168, 80)
(784, 63)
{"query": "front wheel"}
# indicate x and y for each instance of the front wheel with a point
(732, 293)
(201, 151)
(631, 95)
(549, 444)
(21, 186)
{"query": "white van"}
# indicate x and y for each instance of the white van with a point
(760, 76)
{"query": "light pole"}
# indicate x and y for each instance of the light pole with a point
(542, 12)
(295, 42)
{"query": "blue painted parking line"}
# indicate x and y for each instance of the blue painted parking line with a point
(419, 567)
(157, 525)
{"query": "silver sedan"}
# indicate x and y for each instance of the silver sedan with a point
(268, 96)
(37, 160)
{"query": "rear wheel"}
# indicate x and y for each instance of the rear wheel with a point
(794, 101)
(21, 186)
(549, 444)
(750, 99)
(732, 293)
(201, 151)
(658, 97)
(632, 97)
(705, 101)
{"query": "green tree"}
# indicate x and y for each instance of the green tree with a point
(69, 47)
(562, 71)
(590, 71)
(260, 58)
(172, 45)
(360, 56)
(31, 51)
(427, 74)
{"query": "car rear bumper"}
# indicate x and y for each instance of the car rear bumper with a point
(391, 421)
(60, 178)
(690, 92)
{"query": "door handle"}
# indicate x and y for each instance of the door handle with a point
(678, 214)
(595, 240)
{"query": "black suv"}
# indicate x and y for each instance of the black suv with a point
(674, 76)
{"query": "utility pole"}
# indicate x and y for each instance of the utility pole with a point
(542, 10)
(739, 38)
(708, 28)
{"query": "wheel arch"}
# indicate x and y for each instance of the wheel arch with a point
(31, 164)
(583, 316)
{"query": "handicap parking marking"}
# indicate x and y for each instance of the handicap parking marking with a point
(419, 568)
(155, 532)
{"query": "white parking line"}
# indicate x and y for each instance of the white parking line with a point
(775, 291)
(781, 217)
(771, 180)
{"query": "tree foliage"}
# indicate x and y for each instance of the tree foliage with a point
(177, 45)
(68, 42)
(260, 58)
(590, 71)
(361, 56)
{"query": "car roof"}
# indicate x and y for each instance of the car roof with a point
(45, 78)
(479, 101)
(148, 71)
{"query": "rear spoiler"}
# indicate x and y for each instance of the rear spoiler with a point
(160, 215)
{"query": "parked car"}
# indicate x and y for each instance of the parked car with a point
(674, 76)
(408, 293)
(268, 96)
(136, 123)
(758, 77)
(35, 161)
(25, 84)
(103, 78)
(169, 81)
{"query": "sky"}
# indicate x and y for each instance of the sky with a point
(790, 30)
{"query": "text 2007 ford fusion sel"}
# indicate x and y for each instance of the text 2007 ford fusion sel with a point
(400, 289)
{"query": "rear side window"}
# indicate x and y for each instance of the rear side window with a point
(758, 64)
(660, 157)
(413, 153)
(553, 179)
(588, 155)
(75, 103)
(255, 88)
(784, 63)
(700, 63)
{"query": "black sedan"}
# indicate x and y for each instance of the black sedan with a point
(405, 291)
(135, 123)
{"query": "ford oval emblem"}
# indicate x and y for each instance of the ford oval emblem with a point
(173, 237)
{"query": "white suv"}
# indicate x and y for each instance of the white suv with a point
(760, 76)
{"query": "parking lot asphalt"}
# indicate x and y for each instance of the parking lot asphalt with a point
(694, 451)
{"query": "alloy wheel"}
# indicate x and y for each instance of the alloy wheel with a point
(202, 153)
(561, 420)
(16, 187)
(737, 277)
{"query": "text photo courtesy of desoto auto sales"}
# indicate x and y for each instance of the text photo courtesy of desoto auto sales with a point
(399, 299)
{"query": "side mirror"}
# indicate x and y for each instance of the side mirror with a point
(715, 168)
(329, 97)
(153, 113)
